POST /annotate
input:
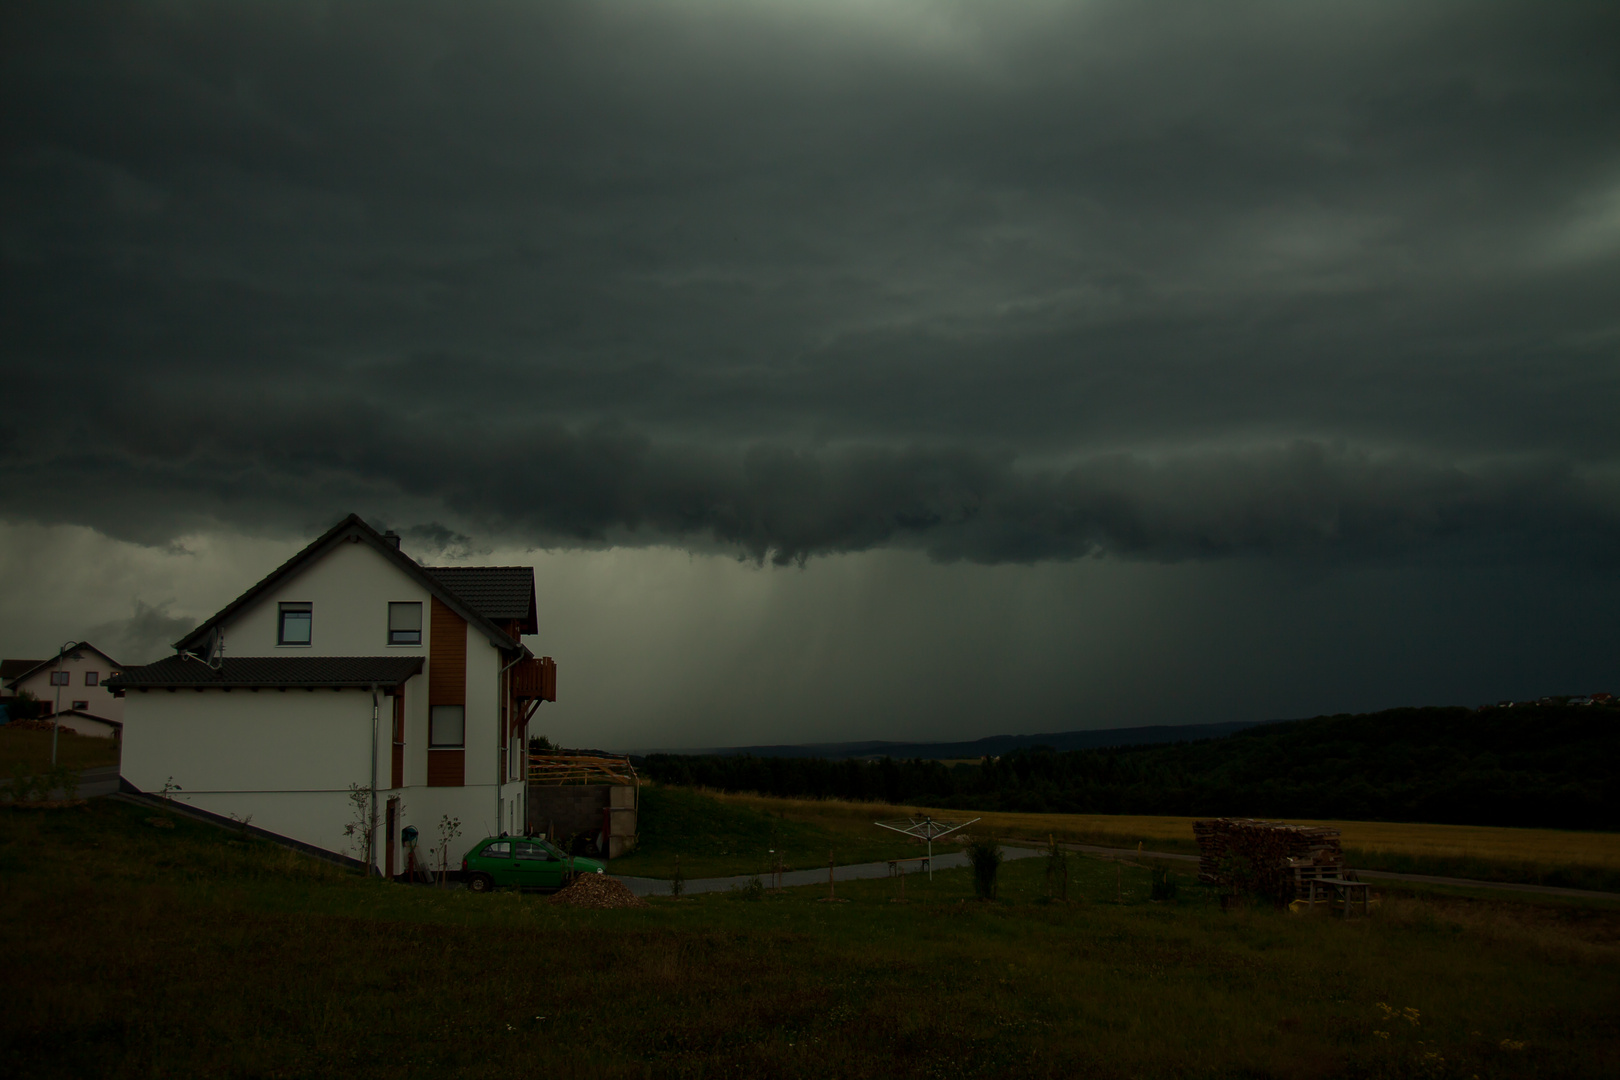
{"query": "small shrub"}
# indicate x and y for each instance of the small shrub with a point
(985, 857)
(1057, 870)
(28, 786)
(1164, 885)
(754, 889)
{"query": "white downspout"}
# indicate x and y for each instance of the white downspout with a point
(371, 823)
(504, 741)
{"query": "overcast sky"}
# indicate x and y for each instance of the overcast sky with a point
(846, 370)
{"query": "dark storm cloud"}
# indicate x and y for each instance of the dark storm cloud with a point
(609, 484)
(144, 635)
(1003, 282)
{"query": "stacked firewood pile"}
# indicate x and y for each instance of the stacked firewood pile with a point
(1261, 856)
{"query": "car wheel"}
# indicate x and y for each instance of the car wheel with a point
(480, 883)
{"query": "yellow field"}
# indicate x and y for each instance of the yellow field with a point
(1535, 847)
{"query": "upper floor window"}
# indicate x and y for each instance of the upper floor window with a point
(92, 678)
(61, 678)
(405, 623)
(294, 624)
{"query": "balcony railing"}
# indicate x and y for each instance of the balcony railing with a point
(535, 680)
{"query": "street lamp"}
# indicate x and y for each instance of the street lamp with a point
(57, 680)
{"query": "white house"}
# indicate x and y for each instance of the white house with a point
(349, 664)
(78, 680)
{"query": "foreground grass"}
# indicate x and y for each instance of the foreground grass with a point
(193, 951)
(31, 750)
(1582, 860)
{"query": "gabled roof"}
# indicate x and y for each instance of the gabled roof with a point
(271, 671)
(10, 669)
(37, 665)
(352, 530)
(499, 593)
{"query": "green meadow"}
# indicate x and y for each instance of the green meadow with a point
(30, 751)
(140, 950)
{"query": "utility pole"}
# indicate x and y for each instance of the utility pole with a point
(56, 681)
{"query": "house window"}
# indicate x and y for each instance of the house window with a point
(61, 678)
(92, 678)
(81, 705)
(447, 726)
(295, 624)
(405, 624)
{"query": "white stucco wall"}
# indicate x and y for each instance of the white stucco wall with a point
(288, 757)
(350, 588)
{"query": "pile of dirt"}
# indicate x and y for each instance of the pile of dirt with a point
(597, 891)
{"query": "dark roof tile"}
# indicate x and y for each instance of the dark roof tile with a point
(265, 671)
(498, 593)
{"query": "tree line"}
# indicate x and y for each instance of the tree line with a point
(1542, 765)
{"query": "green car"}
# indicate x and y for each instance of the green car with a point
(527, 862)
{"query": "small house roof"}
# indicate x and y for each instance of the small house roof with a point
(10, 669)
(500, 594)
(334, 672)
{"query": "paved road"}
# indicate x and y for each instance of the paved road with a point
(104, 781)
(1383, 875)
(855, 871)
(99, 781)
(660, 887)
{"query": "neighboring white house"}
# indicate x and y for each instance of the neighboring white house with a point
(349, 664)
(78, 679)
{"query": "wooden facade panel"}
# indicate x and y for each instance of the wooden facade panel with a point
(447, 657)
(447, 768)
(397, 771)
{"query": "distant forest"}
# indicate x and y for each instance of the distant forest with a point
(1538, 765)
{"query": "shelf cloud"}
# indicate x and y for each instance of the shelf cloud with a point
(1016, 284)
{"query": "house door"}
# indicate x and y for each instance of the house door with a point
(392, 832)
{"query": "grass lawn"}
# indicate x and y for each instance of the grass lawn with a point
(31, 750)
(715, 838)
(193, 951)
